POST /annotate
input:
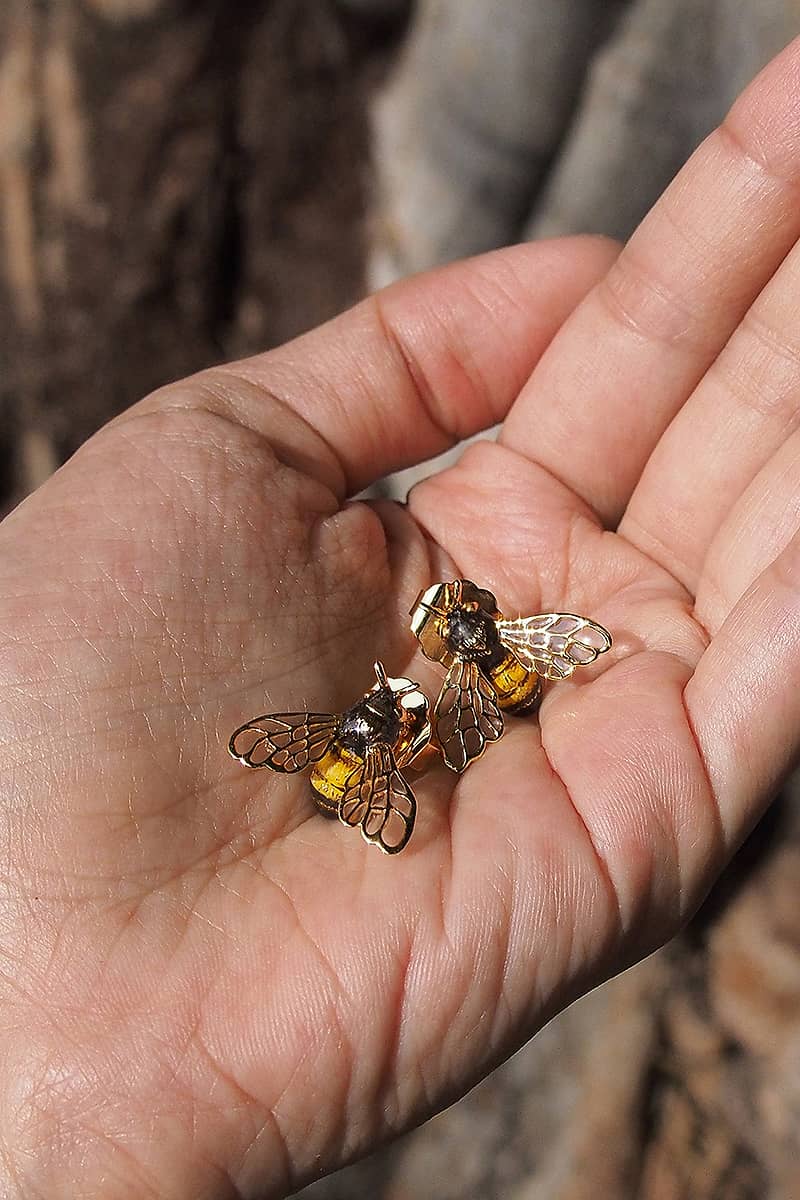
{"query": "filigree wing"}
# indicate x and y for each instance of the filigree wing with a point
(554, 644)
(283, 741)
(378, 799)
(467, 715)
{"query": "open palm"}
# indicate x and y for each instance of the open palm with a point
(207, 988)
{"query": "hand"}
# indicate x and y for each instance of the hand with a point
(208, 989)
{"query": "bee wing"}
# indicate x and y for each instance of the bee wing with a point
(378, 799)
(554, 644)
(466, 716)
(283, 741)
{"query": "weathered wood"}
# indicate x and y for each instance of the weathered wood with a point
(540, 117)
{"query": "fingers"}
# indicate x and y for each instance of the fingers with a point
(743, 699)
(740, 414)
(760, 526)
(417, 367)
(537, 531)
(626, 361)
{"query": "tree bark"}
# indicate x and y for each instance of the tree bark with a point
(180, 181)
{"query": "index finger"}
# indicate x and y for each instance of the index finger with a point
(415, 368)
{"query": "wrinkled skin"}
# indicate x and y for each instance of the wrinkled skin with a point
(209, 990)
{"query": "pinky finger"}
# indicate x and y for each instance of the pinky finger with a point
(743, 699)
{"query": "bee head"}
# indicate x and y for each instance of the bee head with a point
(373, 718)
(456, 620)
(469, 631)
(382, 703)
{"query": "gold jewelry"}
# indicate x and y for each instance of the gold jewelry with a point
(493, 664)
(356, 756)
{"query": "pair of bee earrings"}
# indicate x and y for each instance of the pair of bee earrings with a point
(493, 666)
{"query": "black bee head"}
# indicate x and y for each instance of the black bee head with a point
(373, 719)
(382, 703)
(469, 632)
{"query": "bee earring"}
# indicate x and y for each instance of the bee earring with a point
(493, 664)
(356, 756)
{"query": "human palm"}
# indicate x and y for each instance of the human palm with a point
(209, 989)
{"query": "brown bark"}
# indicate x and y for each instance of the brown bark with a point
(180, 181)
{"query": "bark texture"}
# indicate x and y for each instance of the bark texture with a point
(180, 181)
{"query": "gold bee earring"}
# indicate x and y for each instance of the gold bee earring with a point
(493, 664)
(356, 756)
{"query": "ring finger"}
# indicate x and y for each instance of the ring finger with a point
(738, 417)
(758, 529)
